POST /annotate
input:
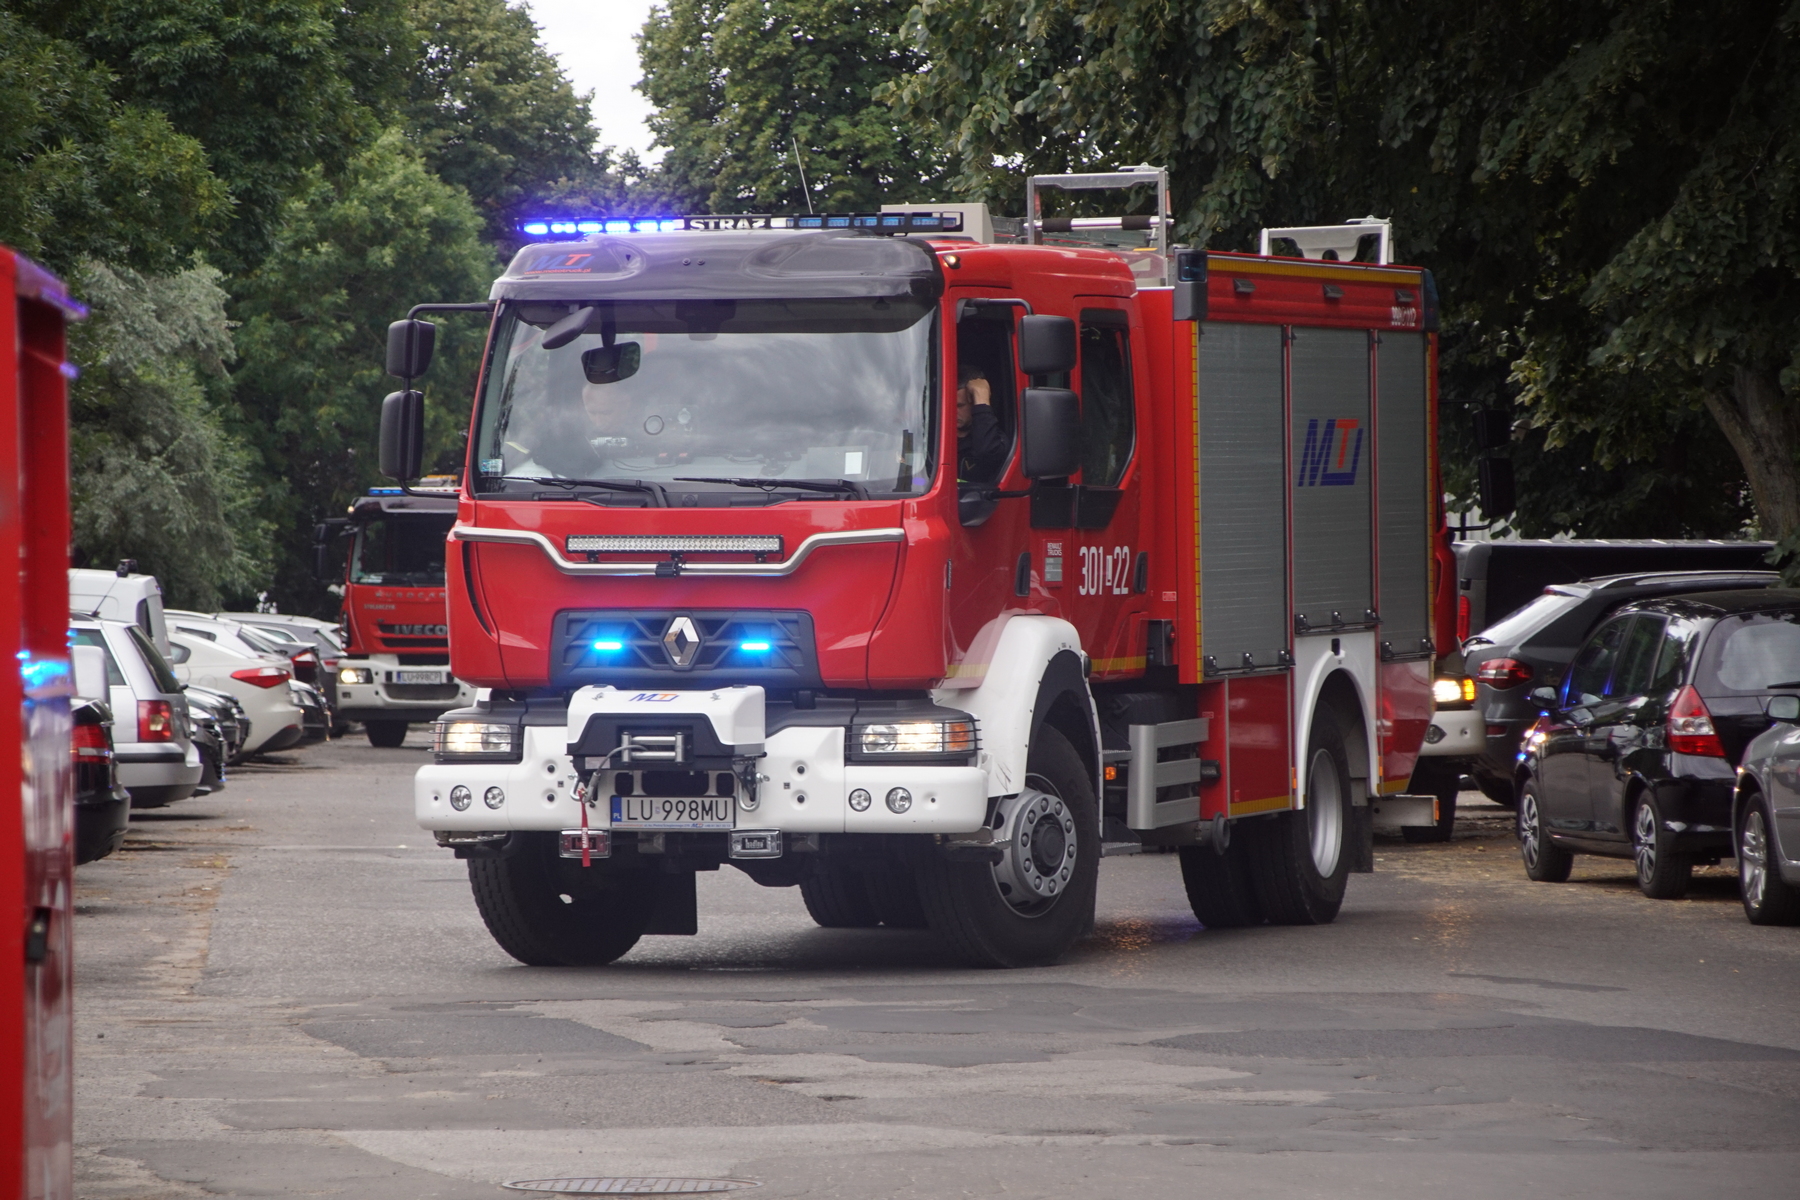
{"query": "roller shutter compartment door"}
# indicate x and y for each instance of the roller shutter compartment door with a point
(1242, 497)
(1333, 458)
(1403, 491)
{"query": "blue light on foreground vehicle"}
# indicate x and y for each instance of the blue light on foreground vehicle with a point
(754, 647)
(608, 645)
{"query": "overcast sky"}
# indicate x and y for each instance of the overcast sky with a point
(594, 41)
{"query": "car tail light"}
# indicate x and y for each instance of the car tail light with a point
(1691, 728)
(156, 721)
(1462, 618)
(1503, 672)
(262, 677)
(87, 743)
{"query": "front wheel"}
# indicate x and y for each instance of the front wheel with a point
(1031, 906)
(1545, 861)
(1768, 898)
(1220, 887)
(836, 898)
(1300, 860)
(1663, 872)
(548, 911)
(387, 734)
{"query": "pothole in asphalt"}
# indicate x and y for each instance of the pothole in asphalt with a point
(640, 1185)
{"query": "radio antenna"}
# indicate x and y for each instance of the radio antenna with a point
(804, 186)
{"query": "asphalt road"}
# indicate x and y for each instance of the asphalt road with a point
(285, 990)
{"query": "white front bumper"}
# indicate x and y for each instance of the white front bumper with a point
(1464, 735)
(807, 790)
(357, 700)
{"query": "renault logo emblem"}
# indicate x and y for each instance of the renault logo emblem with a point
(681, 642)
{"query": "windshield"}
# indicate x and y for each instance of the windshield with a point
(1751, 654)
(765, 390)
(401, 549)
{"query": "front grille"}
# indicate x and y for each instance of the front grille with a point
(627, 648)
(422, 691)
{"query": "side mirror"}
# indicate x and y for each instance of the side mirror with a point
(1784, 708)
(402, 452)
(409, 348)
(1046, 345)
(974, 505)
(609, 364)
(1190, 285)
(568, 329)
(1050, 422)
(1545, 697)
(179, 655)
(1497, 494)
(90, 672)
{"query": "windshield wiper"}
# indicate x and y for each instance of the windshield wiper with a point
(841, 486)
(653, 490)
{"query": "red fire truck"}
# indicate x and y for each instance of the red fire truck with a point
(37, 864)
(396, 665)
(922, 572)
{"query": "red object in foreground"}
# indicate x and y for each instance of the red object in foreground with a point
(1691, 727)
(156, 721)
(262, 677)
(37, 864)
(1503, 672)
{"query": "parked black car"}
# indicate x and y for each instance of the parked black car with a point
(228, 713)
(1636, 755)
(1767, 819)
(102, 807)
(1531, 648)
(207, 730)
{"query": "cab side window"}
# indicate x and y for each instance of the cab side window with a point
(1637, 658)
(1593, 666)
(1108, 415)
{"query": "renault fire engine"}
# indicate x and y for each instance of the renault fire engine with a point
(396, 665)
(922, 571)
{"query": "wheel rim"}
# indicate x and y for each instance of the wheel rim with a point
(1529, 832)
(1325, 811)
(1753, 858)
(1643, 841)
(1039, 849)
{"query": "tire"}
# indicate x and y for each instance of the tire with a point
(1545, 861)
(520, 898)
(1300, 860)
(1443, 783)
(893, 892)
(387, 734)
(1048, 901)
(1768, 898)
(1220, 889)
(1663, 873)
(837, 899)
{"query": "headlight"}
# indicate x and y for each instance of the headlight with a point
(955, 736)
(474, 740)
(1453, 691)
(356, 675)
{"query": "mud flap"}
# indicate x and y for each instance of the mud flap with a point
(1360, 843)
(677, 909)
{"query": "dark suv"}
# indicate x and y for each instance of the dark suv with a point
(1636, 756)
(1530, 648)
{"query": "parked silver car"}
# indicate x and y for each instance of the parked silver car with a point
(157, 760)
(1767, 818)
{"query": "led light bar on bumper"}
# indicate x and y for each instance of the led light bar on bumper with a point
(694, 544)
(475, 741)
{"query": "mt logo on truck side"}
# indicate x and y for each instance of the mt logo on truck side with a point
(1331, 455)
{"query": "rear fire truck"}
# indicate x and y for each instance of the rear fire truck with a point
(37, 795)
(737, 593)
(396, 665)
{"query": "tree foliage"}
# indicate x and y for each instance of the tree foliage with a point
(738, 83)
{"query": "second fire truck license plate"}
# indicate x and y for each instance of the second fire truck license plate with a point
(418, 677)
(674, 812)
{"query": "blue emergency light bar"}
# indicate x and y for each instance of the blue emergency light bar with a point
(562, 228)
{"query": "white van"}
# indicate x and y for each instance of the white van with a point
(121, 596)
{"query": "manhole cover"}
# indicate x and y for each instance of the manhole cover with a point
(642, 1185)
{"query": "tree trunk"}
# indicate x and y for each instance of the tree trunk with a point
(1762, 426)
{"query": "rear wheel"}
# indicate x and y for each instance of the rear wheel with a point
(1545, 861)
(1220, 889)
(388, 734)
(1663, 873)
(1029, 908)
(1768, 898)
(1300, 860)
(837, 899)
(1443, 783)
(548, 911)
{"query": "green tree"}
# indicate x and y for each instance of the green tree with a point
(352, 255)
(737, 83)
(1606, 192)
(154, 474)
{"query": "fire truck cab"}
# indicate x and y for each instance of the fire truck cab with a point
(923, 572)
(396, 665)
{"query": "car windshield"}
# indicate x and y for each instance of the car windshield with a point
(1752, 653)
(401, 549)
(770, 390)
(1523, 622)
